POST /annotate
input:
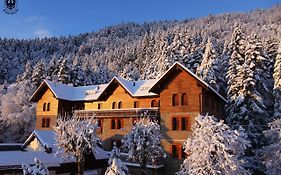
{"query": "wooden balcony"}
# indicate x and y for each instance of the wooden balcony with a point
(127, 112)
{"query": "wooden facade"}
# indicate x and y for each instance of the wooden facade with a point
(179, 97)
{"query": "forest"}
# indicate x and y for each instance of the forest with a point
(238, 54)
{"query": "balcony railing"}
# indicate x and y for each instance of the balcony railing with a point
(126, 112)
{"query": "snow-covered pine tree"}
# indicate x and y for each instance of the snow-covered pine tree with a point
(38, 73)
(75, 137)
(143, 143)
(237, 55)
(271, 47)
(271, 154)
(277, 84)
(64, 72)
(38, 169)
(214, 148)
(27, 72)
(246, 106)
(116, 166)
(77, 75)
(207, 69)
(53, 69)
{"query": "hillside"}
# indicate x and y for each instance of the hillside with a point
(147, 49)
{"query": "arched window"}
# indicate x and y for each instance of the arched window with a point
(184, 99)
(154, 103)
(48, 107)
(114, 105)
(44, 107)
(175, 100)
(119, 105)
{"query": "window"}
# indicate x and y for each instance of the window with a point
(136, 104)
(114, 105)
(100, 124)
(99, 105)
(44, 107)
(48, 107)
(45, 123)
(184, 123)
(154, 103)
(116, 123)
(113, 124)
(119, 105)
(184, 99)
(178, 151)
(180, 124)
(175, 153)
(175, 100)
(175, 123)
(119, 124)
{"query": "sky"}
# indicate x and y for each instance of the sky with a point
(47, 18)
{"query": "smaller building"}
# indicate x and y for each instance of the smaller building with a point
(41, 144)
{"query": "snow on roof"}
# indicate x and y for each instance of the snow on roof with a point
(81, 93)
(100, 153)
(192, 74)
(17, 158)
(47, 139)
(88, 93)
(137, 88)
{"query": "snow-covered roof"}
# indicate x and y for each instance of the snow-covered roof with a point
(47, 139)
(137, 88)
(70, 93)
(90, 93)
(17, 158)
(141, 88)
(192, 74)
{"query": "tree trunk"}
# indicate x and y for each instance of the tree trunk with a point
(143, 167)
(80, 167)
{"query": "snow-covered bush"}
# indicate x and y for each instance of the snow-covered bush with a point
(75, 138)
(214, 149)
(143, 143)
(38, 169)
(116, 166)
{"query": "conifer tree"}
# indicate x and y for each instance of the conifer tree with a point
(207, 69)
(64, 72)
(277, 84)
(38, 73)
